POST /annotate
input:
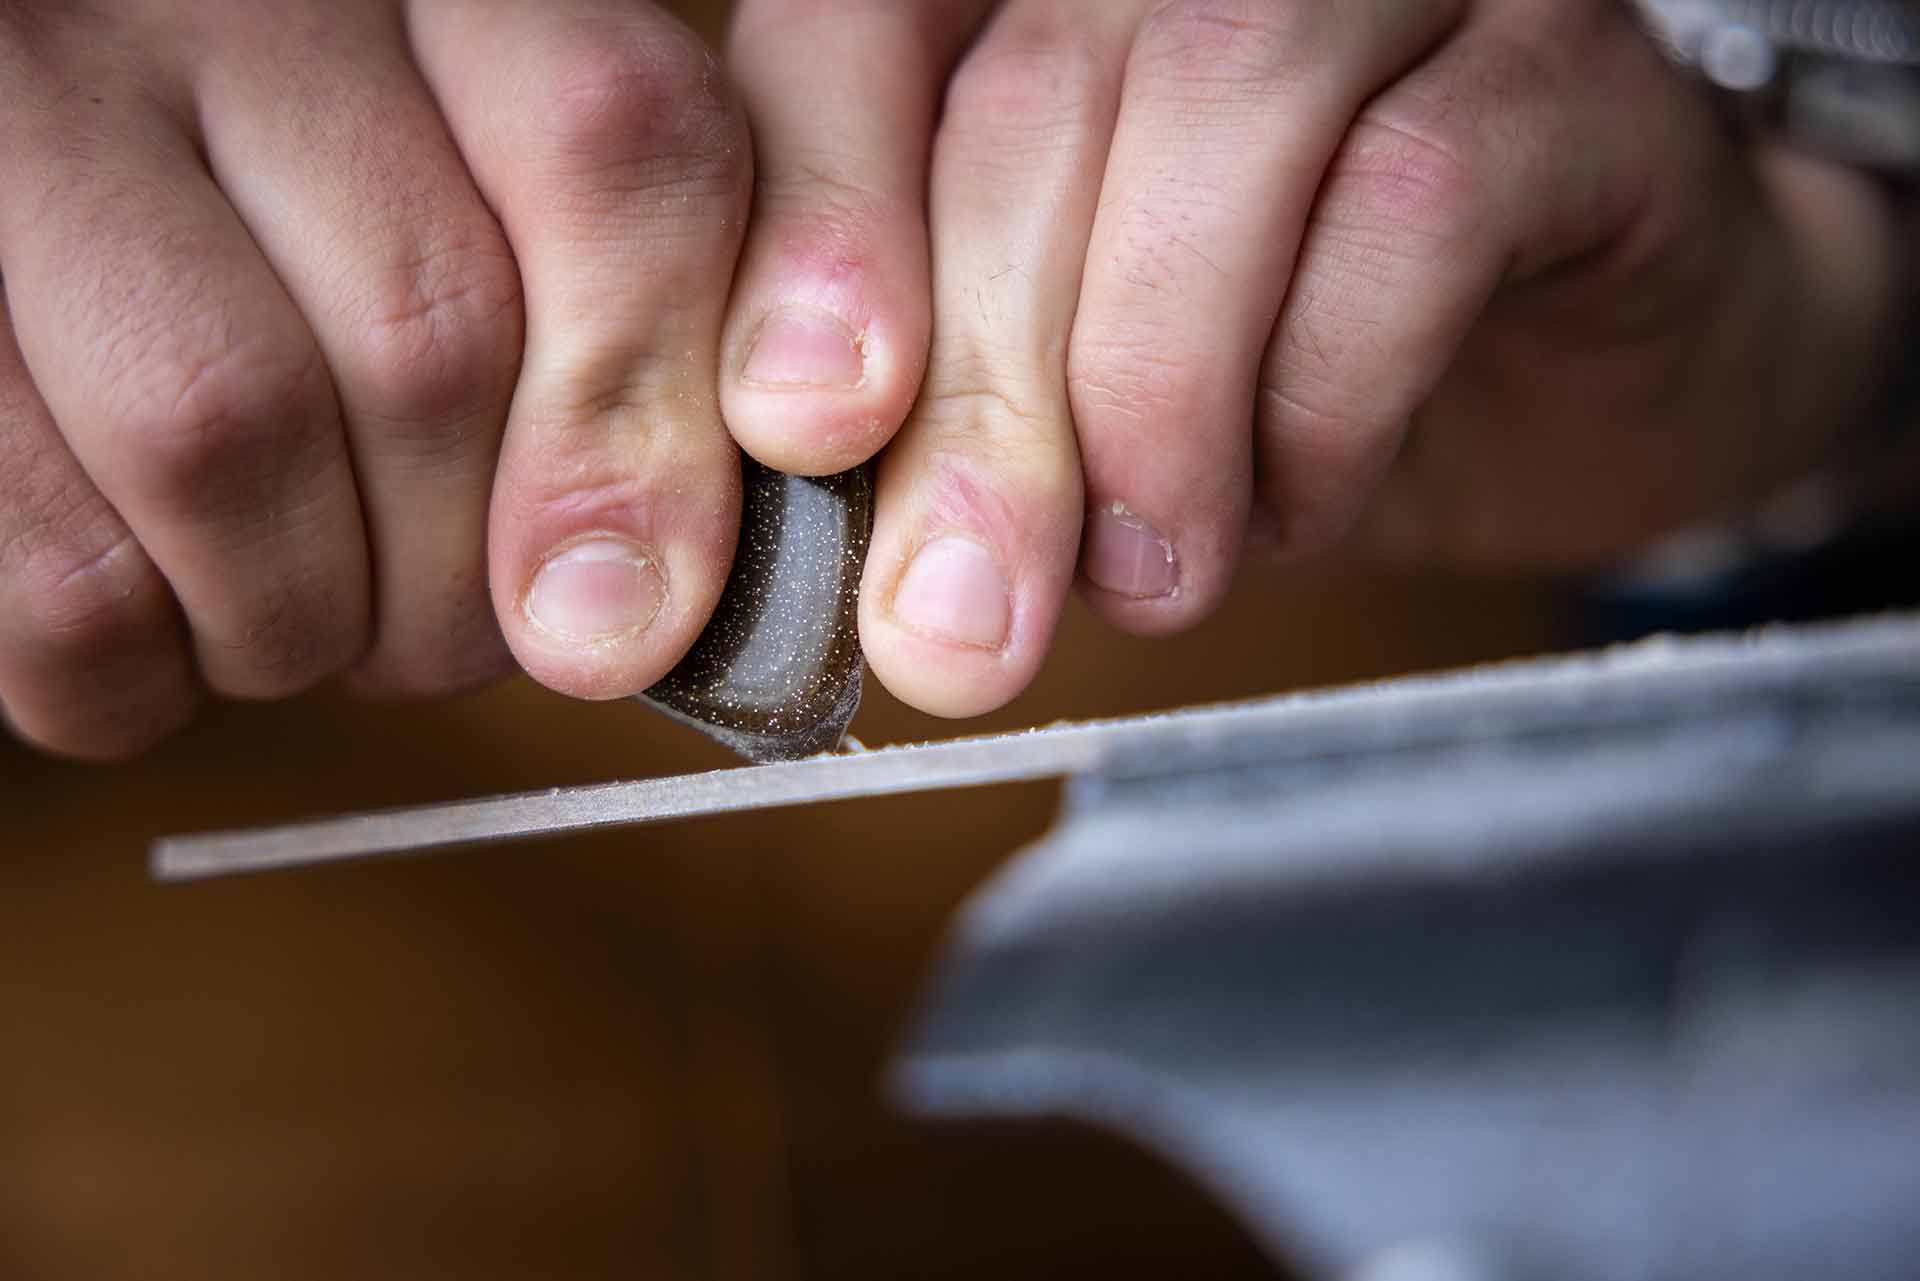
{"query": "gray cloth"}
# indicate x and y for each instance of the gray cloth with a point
(1604, 968)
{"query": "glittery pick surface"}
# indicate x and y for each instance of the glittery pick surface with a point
(776, 674)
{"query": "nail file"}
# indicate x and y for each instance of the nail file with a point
(926, 767)
(1657, 683)
(1057, 751)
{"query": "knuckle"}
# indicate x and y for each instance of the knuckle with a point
(622, 96)
(80, 600)
(1310, 404)
(90, 635)
(972, 393)
(825, 216)
(571, 486)
(824, 192)
(1325, 450)
(1128, 381)
(464, 652)
(97, 738)
(68, 716)
(1401, 186)
(1038, 86)
(287, 637)
(1004, 432)
(1158, 257)
(35, 39)
(248, 408)
(441, 339)
(1230, 43)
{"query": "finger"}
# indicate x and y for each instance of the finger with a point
(1230, 116)
(1426, 212)
(93, 658)
(188, 387)
(978, 501)
(601, 134)
(826, 337)
(322, 134)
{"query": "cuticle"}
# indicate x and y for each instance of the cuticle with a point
(862, 343)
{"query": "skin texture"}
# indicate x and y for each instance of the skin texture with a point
(403, 341)
(1484, 281)
(331, 324)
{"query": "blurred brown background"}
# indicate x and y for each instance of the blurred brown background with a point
(643, 1054)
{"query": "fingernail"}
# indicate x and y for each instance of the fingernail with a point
(596, 591)
(801, 347)
(954, 591)
(1127, 556)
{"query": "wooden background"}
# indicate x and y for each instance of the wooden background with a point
(648, 1054)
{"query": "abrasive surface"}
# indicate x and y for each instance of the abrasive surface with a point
(776, 675)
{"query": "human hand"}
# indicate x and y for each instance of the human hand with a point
(1197, 265)
(284, 283)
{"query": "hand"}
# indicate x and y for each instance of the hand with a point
(1196, 265)
(285, 283)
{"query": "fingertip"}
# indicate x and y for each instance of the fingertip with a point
(820, 372)
(798, 348)
(965, 582)
(290, 637)
(942, 623)
(1130, 572)
(1148, 582)
(474, 656)
(580, 625)
(1319, 468)
(141, 702)
(934, 653)
(105, 701)
(599, 594)
(103, 743)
